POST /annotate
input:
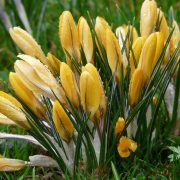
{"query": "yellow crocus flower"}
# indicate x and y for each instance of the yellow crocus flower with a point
(147, 56)
(120, 124)
(90, 92)
(135, 87)
(40, 80)
(62, 122)
(148, 17)
(126, 146)
(100, 29)
(26, 95)
(68, 34)
(85, 38)
(7, 164)
(150, 54)
(69, 84)
(93, 71)
(27, 43)
(136, 48)
(114, 55)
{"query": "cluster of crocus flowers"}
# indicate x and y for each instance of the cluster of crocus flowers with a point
(76, 83)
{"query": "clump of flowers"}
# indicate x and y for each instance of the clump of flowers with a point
(92, 107)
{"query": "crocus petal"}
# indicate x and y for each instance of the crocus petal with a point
(176, 33)
(5, 120)
(7, 164)
(148, 17)
(13, 112)
(27, 44)
(135, 87)
(54, 63)
(133, 145)
(68, 34)
(85, 38)
(11, 99)
(62, 122)
(163, 28)
(69, 83)
(159, 47)
(26, 95)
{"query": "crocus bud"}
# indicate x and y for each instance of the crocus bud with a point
(126, 146)
(120, 124)
(69, 84)
(102, 106)
(39, 76)
(85, 38)
(136, 52)
(11, 99)
(100, 28)
(68, 34)
(90, 91)
(135, 87)
(5, 120)
(62, 122)
(27, 43)
(7, 164)
(150, 54)
(147, 56)
(114, 55)
(54, 63)
(148, 17)
(26, 95)
(12, 109)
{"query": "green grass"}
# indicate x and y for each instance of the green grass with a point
(43, 19)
